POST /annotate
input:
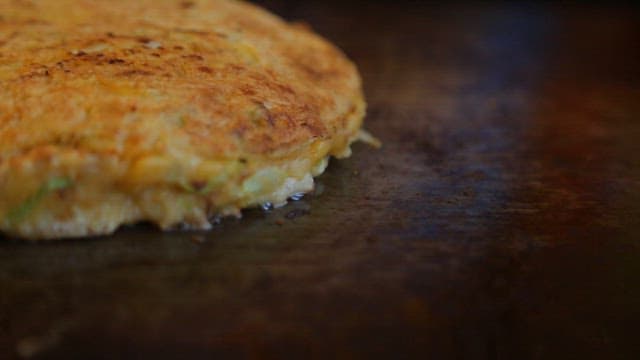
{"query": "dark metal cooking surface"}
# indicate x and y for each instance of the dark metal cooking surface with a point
(500, 220)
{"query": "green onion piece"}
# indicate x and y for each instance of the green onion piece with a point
(54, 184)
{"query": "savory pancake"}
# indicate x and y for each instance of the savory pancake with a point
(175, 112)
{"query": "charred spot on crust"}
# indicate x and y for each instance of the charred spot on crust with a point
(143, 39)
(37, 71)
(193, 57)
(187, 4)
(205, 69)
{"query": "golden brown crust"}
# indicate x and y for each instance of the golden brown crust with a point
(91, 89)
